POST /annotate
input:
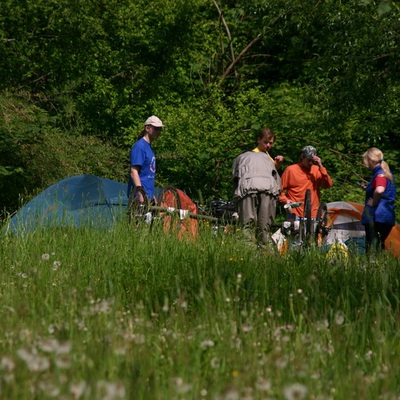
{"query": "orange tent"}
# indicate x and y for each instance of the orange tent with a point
(345, 221)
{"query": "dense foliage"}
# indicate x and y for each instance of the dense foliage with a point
(78, 79)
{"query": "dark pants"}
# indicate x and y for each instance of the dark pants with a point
(376, 234)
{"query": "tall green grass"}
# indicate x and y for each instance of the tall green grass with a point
(135, 313)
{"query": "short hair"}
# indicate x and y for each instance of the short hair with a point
(269, 133)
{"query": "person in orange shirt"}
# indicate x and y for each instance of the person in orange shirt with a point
(297, 178)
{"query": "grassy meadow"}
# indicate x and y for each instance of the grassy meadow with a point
(130, 313)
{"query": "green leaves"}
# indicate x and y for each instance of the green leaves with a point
(325, 73)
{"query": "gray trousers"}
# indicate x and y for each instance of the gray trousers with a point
(257, 212)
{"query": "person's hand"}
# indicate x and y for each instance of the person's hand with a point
(316, 161)
(279, 160)
(140, 197)
(370, 202)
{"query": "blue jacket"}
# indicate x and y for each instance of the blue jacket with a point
(384, 211)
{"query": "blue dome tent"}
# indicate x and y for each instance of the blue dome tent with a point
(82, 200)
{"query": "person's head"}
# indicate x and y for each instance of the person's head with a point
(152, 128)
(307, 155)
(373, 157)
(265, 139)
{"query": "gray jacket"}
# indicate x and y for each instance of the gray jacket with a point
(255, 172)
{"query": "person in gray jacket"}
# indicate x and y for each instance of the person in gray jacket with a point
(256, 189)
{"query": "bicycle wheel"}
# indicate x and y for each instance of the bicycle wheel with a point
(169, 197)
(307, 213)
(322, 228)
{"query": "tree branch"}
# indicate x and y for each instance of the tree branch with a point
(241, 54)
(227, 32)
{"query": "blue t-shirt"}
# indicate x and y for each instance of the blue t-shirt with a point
(143, 156)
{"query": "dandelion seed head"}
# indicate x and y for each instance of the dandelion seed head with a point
(296, 391)
(183, 304)
(206, 344)
(247, 328)
(263, 385)
(281, 363)
(78, 389)
(181, 386)
(215, 363)
(231, 394)
(56, 265)
(368, 355)
(33, 360)
(7, 364)
(322, 325)
(49, 389)
(110, 390)
(339, 318)
(63, 362)
(139, 338)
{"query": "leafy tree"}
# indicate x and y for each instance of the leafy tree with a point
(318, 72)
(34, 154)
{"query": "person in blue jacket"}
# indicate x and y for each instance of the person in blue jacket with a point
(143, 160)
(379, 211)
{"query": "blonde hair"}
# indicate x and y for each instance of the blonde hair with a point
(375, 156)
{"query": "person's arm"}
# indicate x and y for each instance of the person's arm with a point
(278, 161)
(325, 180)
(136, 181)
(284, 184)
(373, 201)
(380, 187)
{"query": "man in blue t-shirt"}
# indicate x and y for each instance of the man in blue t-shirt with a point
(143, 161)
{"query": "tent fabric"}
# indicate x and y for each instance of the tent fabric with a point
(177, 199)
(91, 201)
(75, 201)
(345, 223)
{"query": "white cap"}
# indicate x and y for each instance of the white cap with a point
(154, 121)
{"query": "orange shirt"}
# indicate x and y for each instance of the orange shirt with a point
(296, 179)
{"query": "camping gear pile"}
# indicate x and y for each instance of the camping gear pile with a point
(337, 223)
(91, 201)
(88, 200)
